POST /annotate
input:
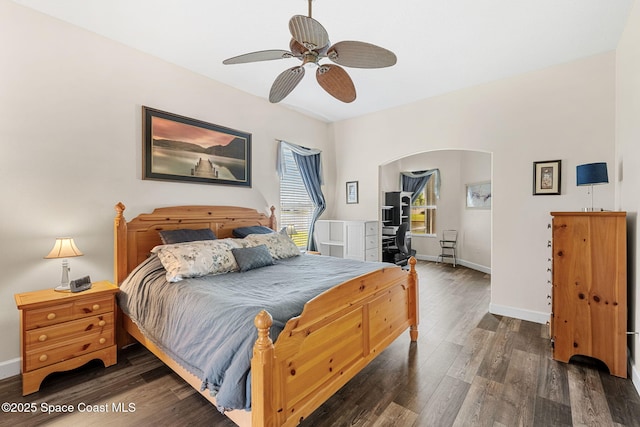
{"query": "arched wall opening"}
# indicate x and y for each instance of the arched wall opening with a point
(458, 168)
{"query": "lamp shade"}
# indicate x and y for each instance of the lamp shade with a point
(592, 173)
(64, 247)
(291, 230)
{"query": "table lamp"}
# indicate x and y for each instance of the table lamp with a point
(64, 248)
(591, 174)
(291, 230)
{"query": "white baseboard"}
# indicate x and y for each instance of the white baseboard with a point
(519, 313)
(478, 267)
(9, 368)
(635, 375)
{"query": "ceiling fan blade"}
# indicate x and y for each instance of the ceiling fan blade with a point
(308, 32)
(263, 55)
(361, 55)
(285, 83)
(336, 82)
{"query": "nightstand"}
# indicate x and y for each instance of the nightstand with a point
(60, 331)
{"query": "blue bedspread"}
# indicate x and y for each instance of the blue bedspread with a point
(206, 323)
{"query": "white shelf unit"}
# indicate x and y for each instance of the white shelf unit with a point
(348, 239)
(399, 205)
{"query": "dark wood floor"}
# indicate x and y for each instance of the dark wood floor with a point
(468, 368)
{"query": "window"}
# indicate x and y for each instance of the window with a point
(296, 207)
(423, 210)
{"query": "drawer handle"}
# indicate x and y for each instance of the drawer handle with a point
(51, 316)
(43, 358)
(102, 340)
(42, 337)
(96, 307)
(102, 323)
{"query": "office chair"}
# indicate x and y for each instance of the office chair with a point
(401, 252)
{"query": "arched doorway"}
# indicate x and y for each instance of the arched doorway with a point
(459, 169)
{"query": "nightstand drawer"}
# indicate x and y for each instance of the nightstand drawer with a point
(45, 356)
(43, 337)
(48, 316)
(91, 306)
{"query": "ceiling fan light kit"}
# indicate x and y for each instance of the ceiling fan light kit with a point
(310, 44)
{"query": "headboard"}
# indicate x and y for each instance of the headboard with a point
(134, 240)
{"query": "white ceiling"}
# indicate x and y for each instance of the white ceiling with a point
(441, 45)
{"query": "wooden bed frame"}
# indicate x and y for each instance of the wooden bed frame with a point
(338, 333)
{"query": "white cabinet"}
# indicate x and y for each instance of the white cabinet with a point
(347, 239)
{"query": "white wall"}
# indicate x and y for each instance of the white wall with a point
(565, 112)
(475, 241)
(70, 149)
(627, 173)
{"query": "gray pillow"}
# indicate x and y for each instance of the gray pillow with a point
(253, 257)
(242, 232)
(171, 237)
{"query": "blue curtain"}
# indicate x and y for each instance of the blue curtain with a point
(415, 182)
(310, 166)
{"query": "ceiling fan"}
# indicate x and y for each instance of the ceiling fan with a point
(310, 44)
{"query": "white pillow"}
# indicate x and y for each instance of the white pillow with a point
(280, 245)
(195, 259)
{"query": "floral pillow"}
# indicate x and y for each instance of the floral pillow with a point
(195, 259)
(280, 245)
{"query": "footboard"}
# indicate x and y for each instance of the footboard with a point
(338, 333)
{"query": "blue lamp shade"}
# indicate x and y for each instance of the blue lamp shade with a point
(592, 173)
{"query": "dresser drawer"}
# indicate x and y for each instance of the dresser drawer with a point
(371, 254)
(43, 337)
(371, 228)
(371, 242)
(63, 312)
(45, 356)
(91, 306)
(48, 316)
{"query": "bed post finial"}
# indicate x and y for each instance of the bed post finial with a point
(263, 322)
(119, 207)
(119, 245)
(273, 222)
(262, 368)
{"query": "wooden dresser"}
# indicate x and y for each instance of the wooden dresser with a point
(589, 301)
(62, 330)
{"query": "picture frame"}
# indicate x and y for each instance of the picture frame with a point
(478, 195)
(178, 148)
(547, 177)
(352, 192)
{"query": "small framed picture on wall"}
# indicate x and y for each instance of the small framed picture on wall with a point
(352, 192)
(546, 177)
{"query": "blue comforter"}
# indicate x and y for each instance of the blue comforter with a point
(206, 323)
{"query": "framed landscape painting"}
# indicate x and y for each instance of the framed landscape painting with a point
(177, 148)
